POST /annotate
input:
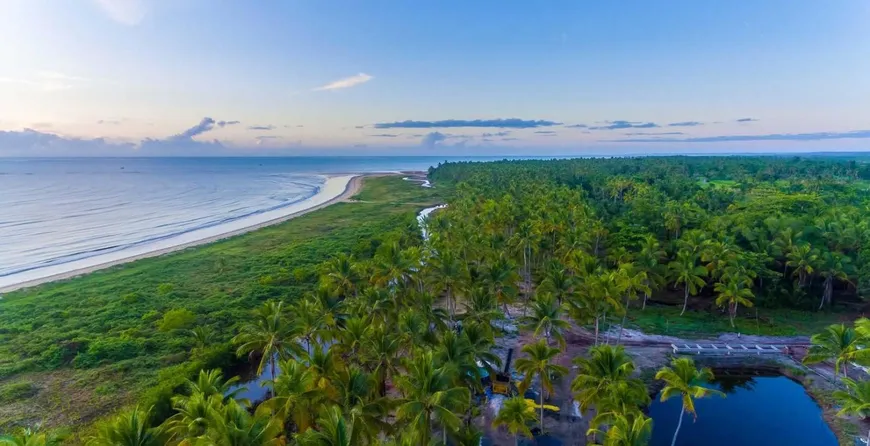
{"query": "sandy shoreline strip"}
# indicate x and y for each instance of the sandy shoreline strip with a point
(337, 188)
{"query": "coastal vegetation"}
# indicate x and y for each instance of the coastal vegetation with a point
(369, 334)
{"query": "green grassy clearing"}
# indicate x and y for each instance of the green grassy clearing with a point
(696, 324)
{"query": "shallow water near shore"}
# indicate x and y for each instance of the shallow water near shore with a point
(756, 411)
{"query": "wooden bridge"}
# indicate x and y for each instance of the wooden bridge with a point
(727, 349)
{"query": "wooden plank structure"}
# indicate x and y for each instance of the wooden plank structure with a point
(727, 349)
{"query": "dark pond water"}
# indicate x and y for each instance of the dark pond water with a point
(756, 411)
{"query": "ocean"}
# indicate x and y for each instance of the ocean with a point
(63, 211)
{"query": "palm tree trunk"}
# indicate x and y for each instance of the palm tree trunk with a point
(516, 440)
(645, 297)
(679, 423)
(542, 406)
(622, 327)
(444, 434)
(272, 367)
(596, 330)
(868, 438)
(685, 300)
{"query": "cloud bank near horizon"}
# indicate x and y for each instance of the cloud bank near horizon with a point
(509, 123)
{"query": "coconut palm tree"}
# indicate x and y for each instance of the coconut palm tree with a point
(599, 376)
(297, 396)
(558, 282)
(381, 356)
(833, 267)
(268, 335)
(356, 395)
(803, 258)
(31, 436)
(538, 362)
(648, 259)
(684, 270)
(516, 415)
(481, 307)
(633, 429)
(545, 319)
(429, 392)
(733, 293)
(453, 353)
(448, 273)
(500, 278)
(192, 415)
(129, 428)
(480, 342)
(839, 343)
(341, 275)
(309, 321)
(633, 280)
(855, 401)
(332, 430)
(233, 425)
(682, 379)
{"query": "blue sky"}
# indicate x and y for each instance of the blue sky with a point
(161, 77)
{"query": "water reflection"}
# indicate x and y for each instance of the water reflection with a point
(757, 410)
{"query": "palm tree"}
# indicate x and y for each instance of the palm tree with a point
(447, 274)
(480, 343)
(356, 395)
(733, 292)
(309, 321)
(803, 259)
(833, 267)
(480, 307)
(633, 429)
(538, 362)
(500, 278)
(648, 260)
(341, 275)
(130, 428)
(268, 335)
(381, 354)
(600, 374)
(633, 281)
(516, 414)
(855, 401)
(453, 353)
(558, 282)
(429, 391)
(233, 425)
(685, 271)
(684, 380)
(31, 437)
(296, 394)
(837, 342)
(333, 430)
(546, 319)
(192, 415)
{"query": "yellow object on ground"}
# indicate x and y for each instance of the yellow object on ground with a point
(533, 405)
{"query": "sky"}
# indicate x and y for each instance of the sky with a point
(345, 77)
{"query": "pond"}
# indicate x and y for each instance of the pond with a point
(756, 411)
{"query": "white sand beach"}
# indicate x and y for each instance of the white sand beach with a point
(336, 188)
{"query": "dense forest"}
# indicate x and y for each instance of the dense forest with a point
(393, 348)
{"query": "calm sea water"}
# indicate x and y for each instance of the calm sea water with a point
(55, 211)
(756, 411)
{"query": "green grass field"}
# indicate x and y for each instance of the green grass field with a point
(696, 324)
(72, 351)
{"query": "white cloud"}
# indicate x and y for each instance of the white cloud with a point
(125, 12)
(347, 82)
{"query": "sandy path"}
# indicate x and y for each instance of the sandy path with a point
(352, 188)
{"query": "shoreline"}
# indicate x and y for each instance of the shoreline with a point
(328, 195)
